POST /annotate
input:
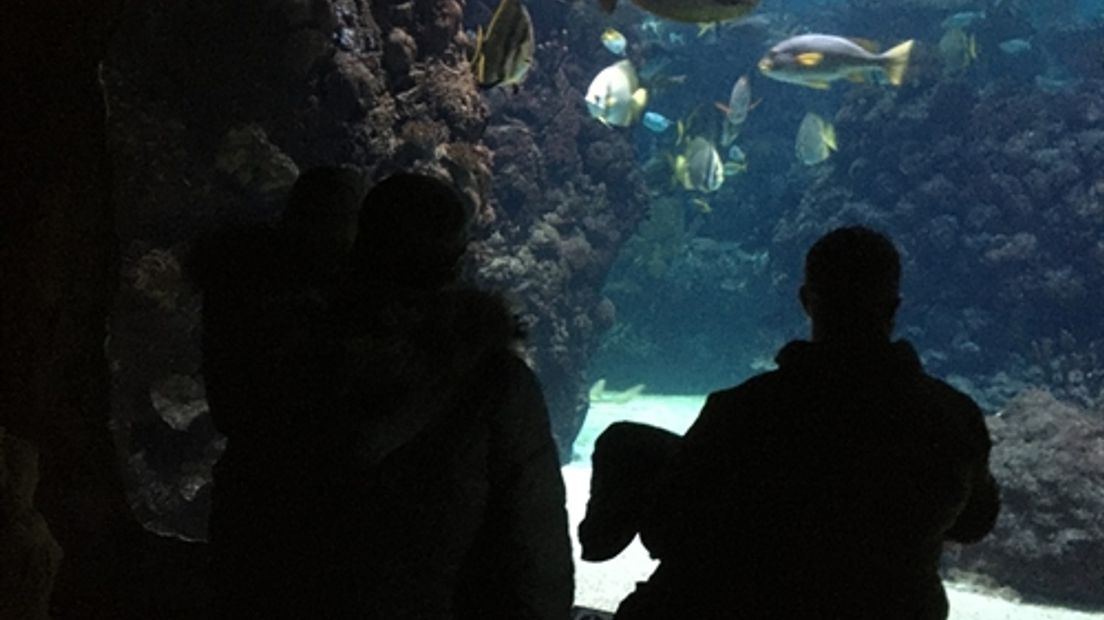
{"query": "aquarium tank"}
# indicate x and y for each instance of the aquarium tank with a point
(645, 186)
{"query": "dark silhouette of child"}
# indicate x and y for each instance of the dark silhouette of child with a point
(824, 489)
(419, 477)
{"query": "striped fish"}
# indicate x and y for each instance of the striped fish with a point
(504, 53)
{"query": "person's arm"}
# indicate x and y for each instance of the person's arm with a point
(529, 572)
(983, 504)
(688, 490)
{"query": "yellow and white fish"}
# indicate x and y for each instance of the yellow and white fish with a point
(504, 53)
(614, 41)
(699, 167)
(816, 139)
(815, 60)
(615, 96)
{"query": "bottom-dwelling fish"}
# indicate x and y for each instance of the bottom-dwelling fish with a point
(816, 139)
(815, 60)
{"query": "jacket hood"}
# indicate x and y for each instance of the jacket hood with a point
(846, 358)
(412, 356)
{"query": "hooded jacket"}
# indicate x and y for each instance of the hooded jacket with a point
(415, 475)
(822, 490)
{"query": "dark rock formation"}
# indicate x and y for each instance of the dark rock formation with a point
(214, 110)
(29, 555)
(1048, 544)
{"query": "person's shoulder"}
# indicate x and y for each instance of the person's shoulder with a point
(753, 388)
(948, 395)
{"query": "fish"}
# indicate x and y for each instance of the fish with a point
(737, 161)
(599, 394)
(504, 53)
(615, 96)
(614, 41)
(816, 139)
(656, 122)
(815, 60)
(1014, 47)
(699, 167)
(957, 49)
(961, 20)
(735, 113)
(690, 11)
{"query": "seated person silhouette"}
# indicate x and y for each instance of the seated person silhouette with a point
(419, 478)
(824, 489)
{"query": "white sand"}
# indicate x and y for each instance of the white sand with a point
(603, 585)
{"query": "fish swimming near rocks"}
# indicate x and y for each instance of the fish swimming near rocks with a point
(735, 113)
(957, 49)
(614, 41)
(599, 394)
(504, 53)
(816, 139)
(690, 11)
(699, 167)
(815, 60)
(656, 122)
(615, 96)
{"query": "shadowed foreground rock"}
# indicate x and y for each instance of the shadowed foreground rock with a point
(1048, 544)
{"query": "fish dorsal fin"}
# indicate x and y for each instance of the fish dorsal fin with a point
(867, 44)
(828, 135)
(478, 43)
(809, 59)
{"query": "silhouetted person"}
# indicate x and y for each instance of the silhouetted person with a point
(266, 288)
(826, 488)
(424, 479)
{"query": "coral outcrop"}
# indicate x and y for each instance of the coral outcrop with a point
(1049, 540)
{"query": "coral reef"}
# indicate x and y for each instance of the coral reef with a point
(198, 143)
(1049, 460)
(566, 193)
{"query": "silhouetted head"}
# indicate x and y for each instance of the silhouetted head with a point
(321, 213)
(413, 232)
(851, 289)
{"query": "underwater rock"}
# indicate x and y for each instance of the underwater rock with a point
(255, 163)
(1048, 457)
(29, 555)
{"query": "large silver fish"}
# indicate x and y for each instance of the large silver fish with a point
(696, 11)
(816, 139)
(504, 53)
(699, 167)
(815, 60)
(615, 96)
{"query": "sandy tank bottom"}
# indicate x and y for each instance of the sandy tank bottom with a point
(603, 585)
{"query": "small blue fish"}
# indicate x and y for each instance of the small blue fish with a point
(656, 122)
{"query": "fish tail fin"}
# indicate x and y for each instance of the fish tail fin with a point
(828, 135)
(897, 60)
(607, 5)
(639, 102)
